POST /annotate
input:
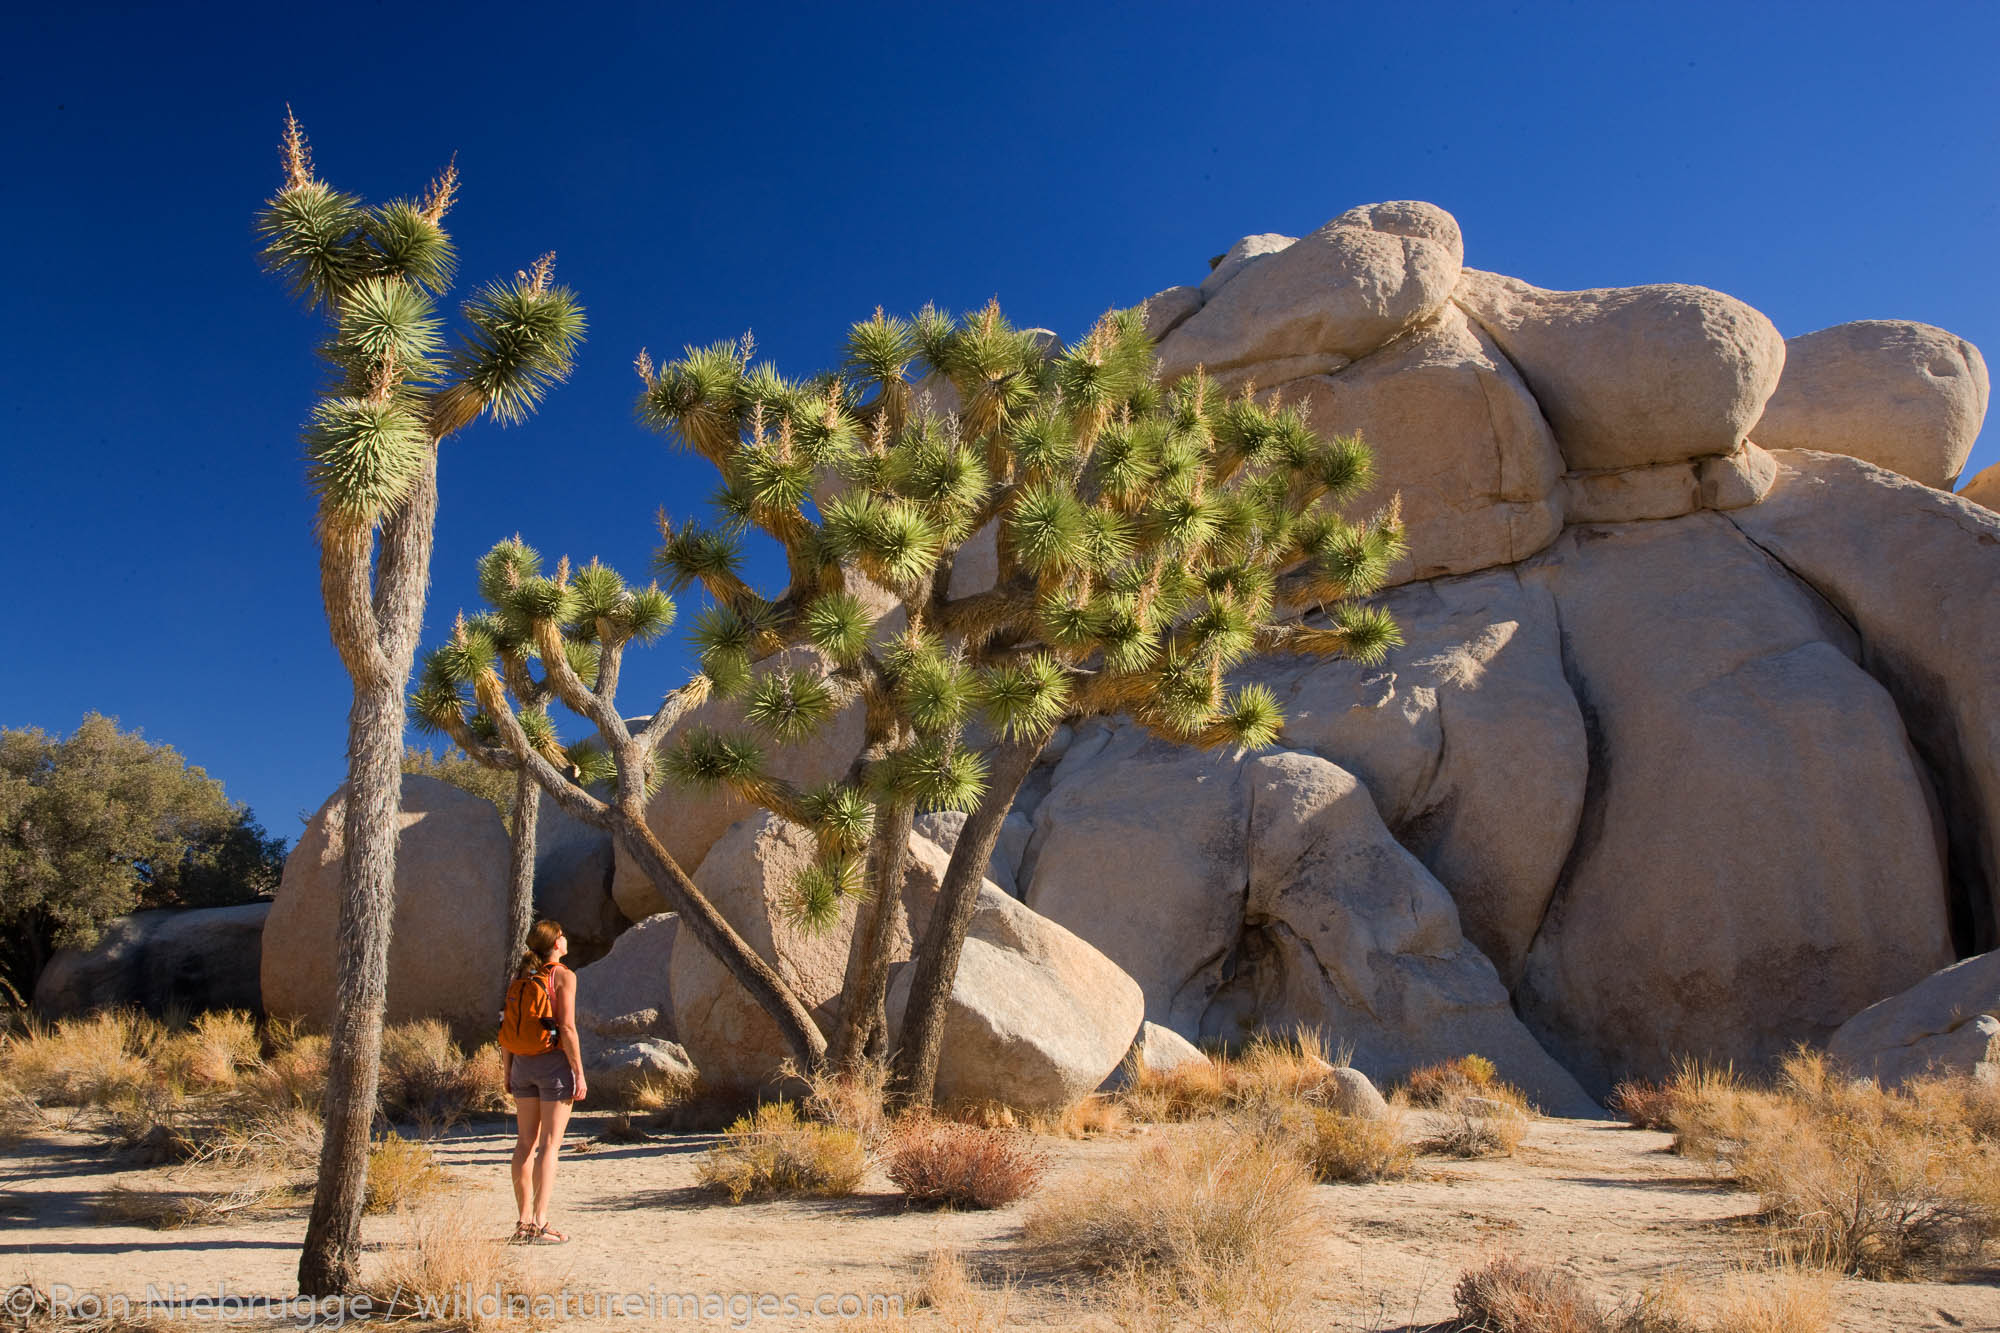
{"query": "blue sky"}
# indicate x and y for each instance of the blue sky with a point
(703, 170)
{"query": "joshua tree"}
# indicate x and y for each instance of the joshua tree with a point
(396, 392)
(579, 625)
(1146, 541)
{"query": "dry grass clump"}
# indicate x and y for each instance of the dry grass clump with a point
(293, 1074)
(1216, 1221)
(82, 1061)
(400, 1172)
(852, 1099)
(1269, 1070)
(1643, 1104)
(773, 1152)
(939, 1162)
(1509, 1294)
(1431, 1085)
(277, 1141)
(19, 1116)
(1471, 1125)
(1350, 1149)
(428, 1079)
(1866, 1180)
(168, 1209)
(447, 1273)
(211, 1054)
(947, 1287)
(1093, 1117)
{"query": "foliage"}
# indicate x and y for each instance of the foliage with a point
(102, 821)
(772, 1152)
(941, 1163)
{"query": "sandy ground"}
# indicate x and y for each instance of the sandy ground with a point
(1608, 1201)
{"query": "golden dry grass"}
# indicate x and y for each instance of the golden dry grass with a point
(400, 1172)
(1217, 1220)
(427, 1079)
(1268, 1070)
(442, 1258)
(1471, 1124)
(772, 1152)
(1509, 1294)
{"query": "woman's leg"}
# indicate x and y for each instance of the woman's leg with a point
(555, 1119)
(528, 1121)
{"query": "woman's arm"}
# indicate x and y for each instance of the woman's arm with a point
(563, 985)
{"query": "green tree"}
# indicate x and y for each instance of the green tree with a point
(396, 391)
(579, 626)
(102, 821)
(1147, 539)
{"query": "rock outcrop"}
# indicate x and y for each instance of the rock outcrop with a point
(574, 862)
(1983, 489)
(1697, 913)
(1631, 376)
(1037, 1018)
(448, 951)
(631, 979)
(1901, 395)
(206, 958)
(1272, 898)
(1948, 1023)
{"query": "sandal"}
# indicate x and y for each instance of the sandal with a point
(543, 1235)
(523, 1233)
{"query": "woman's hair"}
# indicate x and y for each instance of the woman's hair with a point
(542, 937)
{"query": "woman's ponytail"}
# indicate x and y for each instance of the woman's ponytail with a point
(541, 942)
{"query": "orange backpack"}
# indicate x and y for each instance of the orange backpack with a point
(528, 1024)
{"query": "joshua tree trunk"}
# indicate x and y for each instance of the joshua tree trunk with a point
(713, 931)
(863, 1013)
(377, 639)
(935, 959)
(521, 871)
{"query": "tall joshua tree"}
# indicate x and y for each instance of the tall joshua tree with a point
(1147, 540)
(396, 391)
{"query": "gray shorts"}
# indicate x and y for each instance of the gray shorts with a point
(545, 1077)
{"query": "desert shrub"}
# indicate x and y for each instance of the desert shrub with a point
(1509, 1294)
(1348, 1149)
(939, 1162)
(167, 1209)
(275, 1140)
(428, 1079)
(1269, 1070)
(444, 1267)
(772, 1151)
(1217, 1219)
(400, 1171)
(1867, 1180)
(1092, 1117)
(209, 1054)
(853, 1099)
(84, 1061)
(1432, 1084)
(946, 1286)
(1708, 1108)
(1468, 1124)
(1643, 1104)
(292, 1076)
(19, 1116)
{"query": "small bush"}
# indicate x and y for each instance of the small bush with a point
(773, 1152)
(1270, 1070)
(426, 1078)
(947, 1286)
(214, 1051)
(942, 1163)
(1471, 1125)
(853, 1099)
(1216, 1220)
(1093, 1117)
(1513, 1295)
(1643, 1104)
(1347, 1149)
(170, 1210)
(400, 1171)
(277, 1142)
(294, 1074)
(1866, 1180)
(86, 1061)
(19, 1116)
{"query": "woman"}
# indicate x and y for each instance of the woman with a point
(544, 1070)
